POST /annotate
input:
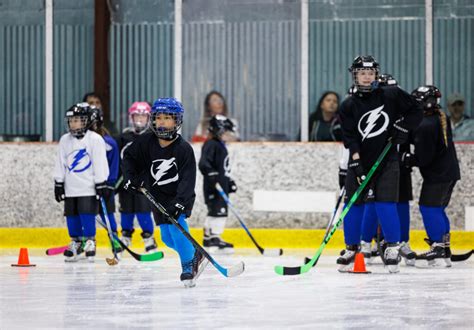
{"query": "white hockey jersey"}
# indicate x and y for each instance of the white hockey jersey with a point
(81, 163)
(344, 159)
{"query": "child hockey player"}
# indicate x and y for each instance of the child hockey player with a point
(80, 176)
(215, 167)
(112, 152)
(135, 205)
(164, 163)
(435, 155)
(369, 118)
(370, 220)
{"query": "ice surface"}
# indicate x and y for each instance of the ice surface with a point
(150, 296)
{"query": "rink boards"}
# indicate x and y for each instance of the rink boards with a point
(270, 238)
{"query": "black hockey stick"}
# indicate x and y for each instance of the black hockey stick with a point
(461, 257)
(227, 272)
(111, 261)
(139, 257)
(329, 226)
(283, 270)
(265, 252)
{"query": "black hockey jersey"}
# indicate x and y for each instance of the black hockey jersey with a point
(215, 159)
(124, 140)
(169, 173)
(437, 162)
(367, 120)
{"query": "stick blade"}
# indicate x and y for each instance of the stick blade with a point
(282, 270)
(272, 252)
(236, 270)
(461, 257)
(152, 256)
(111, 261)
(55, 251)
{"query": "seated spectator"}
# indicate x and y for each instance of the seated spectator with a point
(214, 104)
(461, 125)
(323, 122)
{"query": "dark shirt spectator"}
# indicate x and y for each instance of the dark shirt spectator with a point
(323, 122)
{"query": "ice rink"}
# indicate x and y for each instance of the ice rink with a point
(150, 296)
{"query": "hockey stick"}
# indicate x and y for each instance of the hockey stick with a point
(461, 257)
(282, 270)
(111, 261)
(227, 272)
(56, 250)
(329, 226)
(139, 257)
(265, 252)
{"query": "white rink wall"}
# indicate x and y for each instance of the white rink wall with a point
(27, 199)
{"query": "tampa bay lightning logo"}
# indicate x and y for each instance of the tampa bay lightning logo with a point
(373, 123)
(164, 171)
(78, 161)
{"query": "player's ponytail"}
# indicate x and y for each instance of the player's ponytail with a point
(444, 124)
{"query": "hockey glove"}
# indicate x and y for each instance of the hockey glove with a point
(133, 185)
(232, 186)
(358, 169)
(342, 178)
(399, 132)
(407, 160)
(101, 191)
(176, 211)
(59, 193)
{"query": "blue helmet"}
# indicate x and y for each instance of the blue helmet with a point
(168, 106)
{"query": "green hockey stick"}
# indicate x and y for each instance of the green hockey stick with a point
(282, 270)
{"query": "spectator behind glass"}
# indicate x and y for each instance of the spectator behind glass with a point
(95, 100)
(323, 122)
(214, 104)
(461, 125)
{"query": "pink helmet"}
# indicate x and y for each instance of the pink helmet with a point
(139, 108)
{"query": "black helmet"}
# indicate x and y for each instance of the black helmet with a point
(386, 79)
(428, 95)
(364, 62)
(96, 116)
(79, 112)
(220, 124)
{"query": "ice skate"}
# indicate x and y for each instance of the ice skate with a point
(366, 250)
(392, 257)
(150, 243)
(216, 245)
(89, 249)
(435, 253)
(346, 261)
(192, 269)
(407, 253)
(73, 251)
(127, 237)
(447, 249)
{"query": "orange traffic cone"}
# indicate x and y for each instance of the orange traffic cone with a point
(359, 265)
(23, 260)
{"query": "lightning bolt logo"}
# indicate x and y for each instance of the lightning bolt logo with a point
(76, 161)
(371, 120)
(160, 167)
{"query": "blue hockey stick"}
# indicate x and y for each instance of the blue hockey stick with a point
(265, 252)
(227, 272)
